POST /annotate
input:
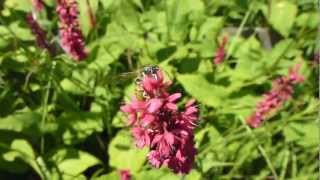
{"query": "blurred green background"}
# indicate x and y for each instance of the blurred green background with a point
(60, 119)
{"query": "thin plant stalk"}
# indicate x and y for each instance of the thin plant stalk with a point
(261, 149)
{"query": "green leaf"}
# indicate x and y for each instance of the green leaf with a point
(278, 52)
(21, 5)
(20, 32)
(110, 176)
(309, 20)
(210, 28)
(80, 82)
(20, 148)
(123, 153)
(105, 56)
(26, 122)
(5, 37)
(129, 19)
(72, 161)
(193, 175)
(211, 142)
(178, 12)
(157, 174)
(282, 17)
(75, 127)
(249, 64)
(198, 87)
(84, 15)
(304, 134)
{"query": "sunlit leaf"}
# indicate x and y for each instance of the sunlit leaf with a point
(123, 153)
(282, 16)
(73, 162)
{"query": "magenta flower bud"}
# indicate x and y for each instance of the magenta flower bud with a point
(125, 174)
(158, 124)
(220, 52)
(39, 34)
(282, 90)
(71, 38)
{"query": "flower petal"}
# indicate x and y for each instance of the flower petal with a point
(147, 119)
(154, 105)
(126, 108)
(174, 97)
(171, 106)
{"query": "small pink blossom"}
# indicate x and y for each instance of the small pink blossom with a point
(71, 38)
(159, 125)
(125, 174)
(282, 90)
(221, 52)
(154, 158)
(142, 137)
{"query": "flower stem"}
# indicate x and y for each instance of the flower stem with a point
(243, 22)
(45, 108)
(261, 149)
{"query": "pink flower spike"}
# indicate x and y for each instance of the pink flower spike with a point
(39, 33)
(160, 125)
(220, 52)
(294, 74)
(71, 38)
(282, 90)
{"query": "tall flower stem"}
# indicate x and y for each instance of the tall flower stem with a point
(260, 148)
(243, 22)
(45, 107)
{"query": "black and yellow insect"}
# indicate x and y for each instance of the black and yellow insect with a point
(146, 71)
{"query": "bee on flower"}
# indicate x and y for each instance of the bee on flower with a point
(157, 123)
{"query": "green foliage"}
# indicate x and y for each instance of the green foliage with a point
(60, 119)
(282, 16)
(123, 154)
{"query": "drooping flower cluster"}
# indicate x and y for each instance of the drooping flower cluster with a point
(157, 123)
(37, 5)
(220, 52)
(125, 174)
(39, 34)
(71, 38)
(282, 90)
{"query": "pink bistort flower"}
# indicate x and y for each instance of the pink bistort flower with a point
(158, 124)
(282, 90)
(220, 52)
(71, 38)
(39, 34)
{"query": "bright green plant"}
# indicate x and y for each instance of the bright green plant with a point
(60, 119)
